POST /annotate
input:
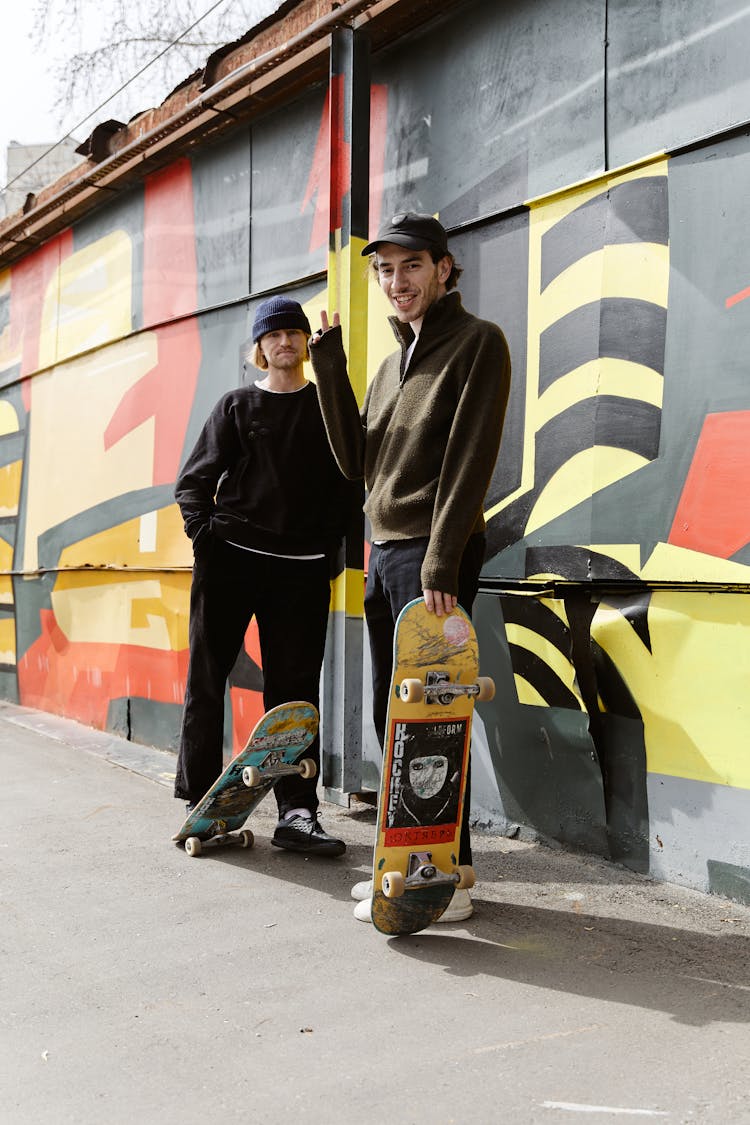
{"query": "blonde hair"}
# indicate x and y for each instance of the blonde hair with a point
(258, 359)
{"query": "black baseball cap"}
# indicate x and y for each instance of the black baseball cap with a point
(410, 229)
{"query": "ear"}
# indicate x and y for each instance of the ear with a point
(444, 267)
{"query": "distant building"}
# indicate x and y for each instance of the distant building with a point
(32, 167)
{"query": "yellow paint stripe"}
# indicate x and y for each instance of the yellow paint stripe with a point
(638, 271)
(124, 545)
(573, 195)
(528, 695)
(550, 656)
(8, 640)
(139, 609)
(8, 418)
(10, 488)
(676, 564)
(698, 652)
(579, 478)
(604, 376)
(348, 592)
(544, 213)
(87, 301)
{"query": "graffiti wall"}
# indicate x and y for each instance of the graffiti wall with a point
(628, 513)
(614, 612)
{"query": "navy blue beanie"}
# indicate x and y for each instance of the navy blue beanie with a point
(279, 312)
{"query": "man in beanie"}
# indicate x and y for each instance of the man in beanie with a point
(426, 441)
(265, 506)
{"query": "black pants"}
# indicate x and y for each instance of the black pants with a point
(393, 580)
(290, 600)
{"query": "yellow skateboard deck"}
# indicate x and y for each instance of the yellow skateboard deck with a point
(425, 761)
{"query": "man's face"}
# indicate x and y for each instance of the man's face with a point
(284, 348)
(410, 279)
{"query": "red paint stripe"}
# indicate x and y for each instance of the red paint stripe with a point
(170, 268)
(737, 297)
(713, 515)
(28, 286)
(79, 679)
(378, 130)
(170, 291)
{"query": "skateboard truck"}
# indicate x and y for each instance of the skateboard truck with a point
(274, 766)
(194, 845)
(422, 872)
(439, 688)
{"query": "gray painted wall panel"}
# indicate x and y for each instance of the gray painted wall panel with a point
(695, 825)
(676, 71)
(500, 103)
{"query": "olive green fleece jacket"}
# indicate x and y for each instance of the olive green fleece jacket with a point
(426, 442)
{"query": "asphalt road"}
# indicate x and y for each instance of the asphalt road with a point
(139, 985)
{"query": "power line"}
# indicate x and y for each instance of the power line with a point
(111, 97)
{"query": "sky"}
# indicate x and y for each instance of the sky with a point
(27, 88)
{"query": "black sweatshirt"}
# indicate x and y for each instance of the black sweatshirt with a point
(262, 475)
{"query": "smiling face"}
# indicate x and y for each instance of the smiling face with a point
(410, 280)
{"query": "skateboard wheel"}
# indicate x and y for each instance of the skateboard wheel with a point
(307, 768)
(393, 884)
(251, 776)
(466, 877)
(411, 691)
(246, 837)
(193, 846)
(486, 687)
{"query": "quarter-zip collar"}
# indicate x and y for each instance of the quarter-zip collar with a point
(441, 319)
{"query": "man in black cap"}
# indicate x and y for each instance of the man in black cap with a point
(265, 506)
(425, 441)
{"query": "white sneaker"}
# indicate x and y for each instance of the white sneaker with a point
(362, 911)
(362, 890)
(460, 908)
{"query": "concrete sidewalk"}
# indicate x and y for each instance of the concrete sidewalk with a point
(142, 985)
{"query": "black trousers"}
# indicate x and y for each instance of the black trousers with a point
(393, 580)
(289, 599)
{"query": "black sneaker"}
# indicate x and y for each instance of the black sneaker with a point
(304, 834)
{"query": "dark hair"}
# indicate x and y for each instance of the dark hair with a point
(456, 270)
(437, 255)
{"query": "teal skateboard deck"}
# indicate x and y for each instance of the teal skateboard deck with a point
(273, 750)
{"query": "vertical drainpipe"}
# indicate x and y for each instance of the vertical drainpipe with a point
(347, 294)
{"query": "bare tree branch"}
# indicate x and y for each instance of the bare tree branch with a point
(96, 47)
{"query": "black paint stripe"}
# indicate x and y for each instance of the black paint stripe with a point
(615, 327)
(633, 212)
(576, 564)
(538, 618)
(621, 423)
(542, 678)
